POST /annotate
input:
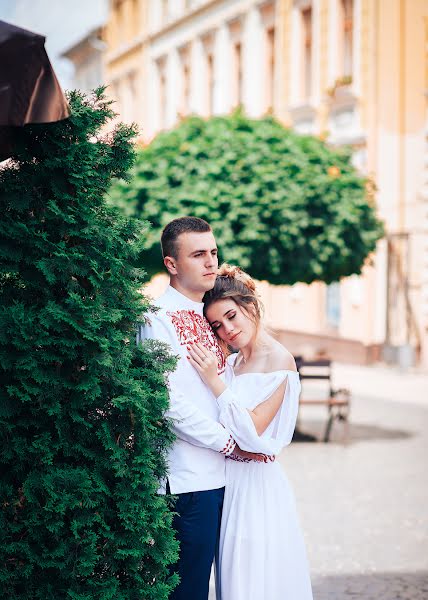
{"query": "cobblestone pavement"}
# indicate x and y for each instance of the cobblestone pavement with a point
(363, 505)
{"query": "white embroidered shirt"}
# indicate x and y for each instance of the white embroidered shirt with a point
(196, 459)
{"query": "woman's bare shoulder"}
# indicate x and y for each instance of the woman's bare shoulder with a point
(281, 359)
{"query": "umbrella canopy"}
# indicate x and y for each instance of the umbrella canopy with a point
(29, 89)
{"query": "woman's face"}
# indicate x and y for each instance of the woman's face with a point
(231, 323)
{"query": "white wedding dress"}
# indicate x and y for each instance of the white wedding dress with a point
(262, 553)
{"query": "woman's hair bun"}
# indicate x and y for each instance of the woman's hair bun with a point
(234, 272)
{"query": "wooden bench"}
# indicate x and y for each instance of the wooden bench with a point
(338, 402)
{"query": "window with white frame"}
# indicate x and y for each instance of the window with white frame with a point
(346, 37)
(267, 15)
(306, 16)
(303, 51)
(208, 48)
(165, 10)
(210, 83)
(184, 57)
(235, 33)
(129, 98)
(161, 73)
(237, 67)
(135, 15)
(120, 21)
(270, 67)
(333, 305)
(115, 93)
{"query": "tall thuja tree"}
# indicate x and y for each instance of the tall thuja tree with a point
(83, 438)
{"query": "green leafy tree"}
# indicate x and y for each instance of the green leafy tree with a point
(284, 206)
(83, 439)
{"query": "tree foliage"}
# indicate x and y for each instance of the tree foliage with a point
(82, 435)
(284, 206)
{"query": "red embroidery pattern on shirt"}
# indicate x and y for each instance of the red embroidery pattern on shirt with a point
(191, 327)
(230, 444)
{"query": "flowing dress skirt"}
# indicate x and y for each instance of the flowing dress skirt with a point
(262, 553)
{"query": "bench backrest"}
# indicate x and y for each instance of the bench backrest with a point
(315, 370)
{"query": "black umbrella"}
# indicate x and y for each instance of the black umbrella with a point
(29, 89)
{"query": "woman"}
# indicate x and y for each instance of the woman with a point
(262, 554)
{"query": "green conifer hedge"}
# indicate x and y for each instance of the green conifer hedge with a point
(285, 206)
(82, 435)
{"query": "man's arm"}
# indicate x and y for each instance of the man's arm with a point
(189, 422)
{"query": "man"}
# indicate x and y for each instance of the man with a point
(196, 460)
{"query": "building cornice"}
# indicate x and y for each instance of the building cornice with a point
(145, 38)
(183, 19)
(93, 41)
(125, 49)
(197, 11)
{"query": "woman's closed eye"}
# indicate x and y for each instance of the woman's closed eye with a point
(216, 326)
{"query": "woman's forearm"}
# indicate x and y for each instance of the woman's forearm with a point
(217, 386)
(264, 413)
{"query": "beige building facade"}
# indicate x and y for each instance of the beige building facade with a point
(351, 71)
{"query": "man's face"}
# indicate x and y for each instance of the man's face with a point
(195, 267)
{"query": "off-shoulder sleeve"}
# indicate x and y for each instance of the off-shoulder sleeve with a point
(236, 418)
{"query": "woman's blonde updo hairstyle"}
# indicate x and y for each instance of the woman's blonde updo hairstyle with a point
(232, 282)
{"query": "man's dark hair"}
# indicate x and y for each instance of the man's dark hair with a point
(175, 228)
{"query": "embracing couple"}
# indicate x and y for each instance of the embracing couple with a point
(233, 405)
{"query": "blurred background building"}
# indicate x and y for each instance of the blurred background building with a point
(88, 60)
(351, 71)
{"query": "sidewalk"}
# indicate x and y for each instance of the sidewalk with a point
(382, 382)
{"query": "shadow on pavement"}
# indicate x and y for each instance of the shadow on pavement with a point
(313, 431)
(375, 586)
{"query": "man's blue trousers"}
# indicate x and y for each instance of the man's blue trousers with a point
(197, 526)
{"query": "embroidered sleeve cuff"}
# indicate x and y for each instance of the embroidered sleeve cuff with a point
(229, 447)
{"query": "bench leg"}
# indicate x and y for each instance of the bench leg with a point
(329, 426)
(345, 418)
(340, 415)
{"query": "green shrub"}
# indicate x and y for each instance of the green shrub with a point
(82, 434)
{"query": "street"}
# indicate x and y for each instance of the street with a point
(363, 505)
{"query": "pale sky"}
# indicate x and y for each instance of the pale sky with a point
(63, 22)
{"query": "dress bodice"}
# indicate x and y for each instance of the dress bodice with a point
(246, 391)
